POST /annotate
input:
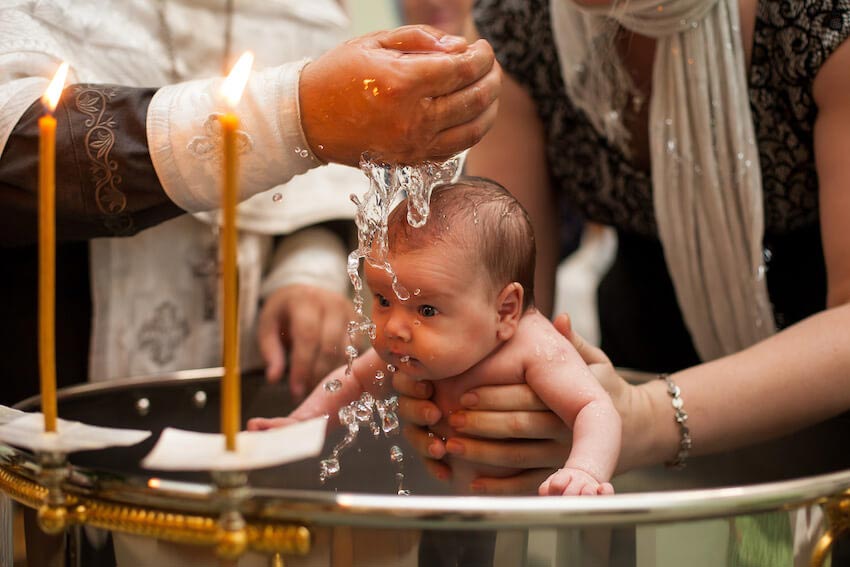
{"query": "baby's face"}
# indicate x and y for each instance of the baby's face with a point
(448, 324)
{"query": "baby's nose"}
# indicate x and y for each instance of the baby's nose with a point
(398, 326)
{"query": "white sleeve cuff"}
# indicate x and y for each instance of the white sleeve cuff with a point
(184, 137)
(314, 256)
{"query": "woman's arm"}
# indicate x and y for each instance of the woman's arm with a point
(513, 154)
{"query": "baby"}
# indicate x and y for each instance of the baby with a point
(469, 272)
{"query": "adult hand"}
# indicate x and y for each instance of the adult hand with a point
(309, 324)
(406, 95)
(509, 425)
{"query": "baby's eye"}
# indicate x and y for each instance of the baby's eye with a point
(427, 310)
(381, 300)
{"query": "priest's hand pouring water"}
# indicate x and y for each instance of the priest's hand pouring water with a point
(407, 95)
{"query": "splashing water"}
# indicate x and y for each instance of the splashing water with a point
(378, 415)
(388, 183)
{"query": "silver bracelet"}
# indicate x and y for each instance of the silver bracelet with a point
(681, 417)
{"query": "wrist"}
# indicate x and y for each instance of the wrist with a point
(313, 125)
(184, 138)
(650, 434)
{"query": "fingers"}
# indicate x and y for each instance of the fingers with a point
(572, 482)
(306, 332)
(332, 344)
(418, 38)
(519, 454)
(418, 412)
(271, 346)
(511, 425)
(518, 397)
(263, 423)
(407, 386)
(459, 137)
(452, 73)
(431, 448)
(465, 105)
(424, 442)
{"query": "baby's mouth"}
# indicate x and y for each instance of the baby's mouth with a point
(403, 358)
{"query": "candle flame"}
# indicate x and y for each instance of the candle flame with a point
(54, 90)
(235, 82)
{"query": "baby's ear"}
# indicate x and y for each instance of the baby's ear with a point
(509, 305)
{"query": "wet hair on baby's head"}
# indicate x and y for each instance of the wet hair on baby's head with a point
(481, 218)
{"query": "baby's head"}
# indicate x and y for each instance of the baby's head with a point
(470, 275)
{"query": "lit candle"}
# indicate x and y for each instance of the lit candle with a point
(231, 91)
(47, 248)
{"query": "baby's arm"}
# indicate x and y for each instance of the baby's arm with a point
(563, 382)
(322, 400)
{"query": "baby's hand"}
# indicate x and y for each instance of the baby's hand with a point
(573, 482)
(263, 423)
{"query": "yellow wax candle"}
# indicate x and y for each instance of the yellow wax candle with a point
(232, 89)
(230, 390)
(47, 250)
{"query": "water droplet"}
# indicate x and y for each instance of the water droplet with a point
(405, 359)
(351, 351)
(329, 468)
(417, 323)
(376, 430)
(346, 415)
(389, 422)
(362, 414)
(379, 375)
(277, 197)
(392, 403)
(396, 454)
(333, 385)
(391, 368)
(321, 147)
(417, 291)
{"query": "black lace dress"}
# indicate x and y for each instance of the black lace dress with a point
(641, 324)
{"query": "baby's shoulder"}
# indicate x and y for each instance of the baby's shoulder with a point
(539, 341)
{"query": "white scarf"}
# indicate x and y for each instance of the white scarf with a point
(705, 167)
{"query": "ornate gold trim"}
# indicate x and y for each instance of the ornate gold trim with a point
(192, 529)
(837, 510)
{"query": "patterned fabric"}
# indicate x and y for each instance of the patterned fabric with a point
(641, 325)
(792, 40)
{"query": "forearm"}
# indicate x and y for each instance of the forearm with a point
(106, 184)
(597, 433)
(338, 389)
(790, 381)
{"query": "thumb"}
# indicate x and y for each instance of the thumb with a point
(589, 353)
